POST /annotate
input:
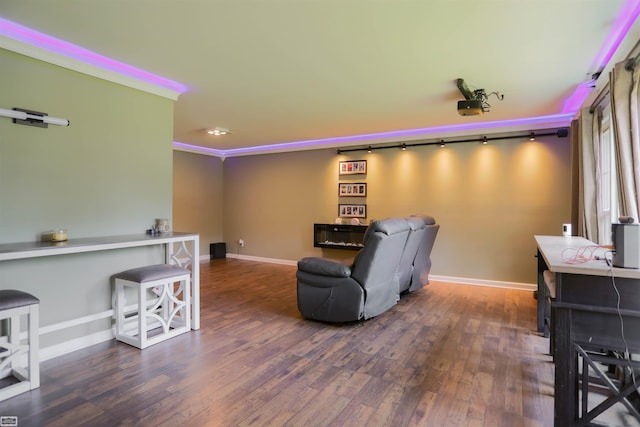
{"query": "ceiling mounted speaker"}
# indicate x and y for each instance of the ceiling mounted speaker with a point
(470, 107)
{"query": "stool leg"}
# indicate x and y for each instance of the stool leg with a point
(142, 316)
(119, 306)
(167, 305)
(14, 338)
(34, 342)
(187, 299)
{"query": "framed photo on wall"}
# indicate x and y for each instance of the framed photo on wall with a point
(355, 189)
(352, 211)
(352, 167)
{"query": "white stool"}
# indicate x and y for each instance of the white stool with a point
(17, 359)
(164, 314)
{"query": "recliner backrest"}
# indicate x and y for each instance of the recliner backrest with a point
(375, 266)
(422, 262)
(405, 268)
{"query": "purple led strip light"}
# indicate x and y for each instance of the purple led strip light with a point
(626, 17)
(31, 37)
(199, 148)
(558, 120)
(566, 118)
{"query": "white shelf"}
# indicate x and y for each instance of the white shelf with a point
(11, 251)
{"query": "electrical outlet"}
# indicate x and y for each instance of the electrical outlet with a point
(241, 242)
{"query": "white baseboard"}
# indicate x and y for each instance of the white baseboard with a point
(60, 349)
(262, 259)
(63, 348)
(484, 282)
(447, 279)
(79, 343)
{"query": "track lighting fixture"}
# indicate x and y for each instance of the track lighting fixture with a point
(484, 140)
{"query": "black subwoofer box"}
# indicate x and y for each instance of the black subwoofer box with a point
(218, 250)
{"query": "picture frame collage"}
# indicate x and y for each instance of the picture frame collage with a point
(352, 189)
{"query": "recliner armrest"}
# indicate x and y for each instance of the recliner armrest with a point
(324, 267)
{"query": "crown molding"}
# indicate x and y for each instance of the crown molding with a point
(84, 68)
(410, 135)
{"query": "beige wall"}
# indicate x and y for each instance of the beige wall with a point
(489, 200)
(108, 173)
(271, 201)
(197, 197)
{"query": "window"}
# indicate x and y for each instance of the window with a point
(607, 191)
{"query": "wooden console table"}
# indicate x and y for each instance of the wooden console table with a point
(175, 244)
(586, 321)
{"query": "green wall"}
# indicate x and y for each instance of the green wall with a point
(108, 173)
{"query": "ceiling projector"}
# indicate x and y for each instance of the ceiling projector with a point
(471, 107)
(475, 102)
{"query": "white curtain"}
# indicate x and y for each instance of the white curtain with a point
(588, 141)
(625, 107)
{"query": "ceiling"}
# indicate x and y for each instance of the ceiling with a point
(345, 72)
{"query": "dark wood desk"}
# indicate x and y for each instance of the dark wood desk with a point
(587, 321)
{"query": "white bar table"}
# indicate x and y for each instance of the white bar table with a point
(176, 252)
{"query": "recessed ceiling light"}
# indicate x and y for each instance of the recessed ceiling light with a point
(218, 131)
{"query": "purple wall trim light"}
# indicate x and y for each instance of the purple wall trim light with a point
(626, 17)
(199, 149)
(421, 132)
(43, 41)
(558, 120)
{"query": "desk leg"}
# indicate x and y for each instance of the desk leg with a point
(566, 370)
(543, 293)
(541, 310)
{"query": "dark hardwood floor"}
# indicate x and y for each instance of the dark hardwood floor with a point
(448, 355)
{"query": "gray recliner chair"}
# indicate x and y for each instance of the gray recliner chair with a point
(406, 268)
(332, 291)
(422, 261)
